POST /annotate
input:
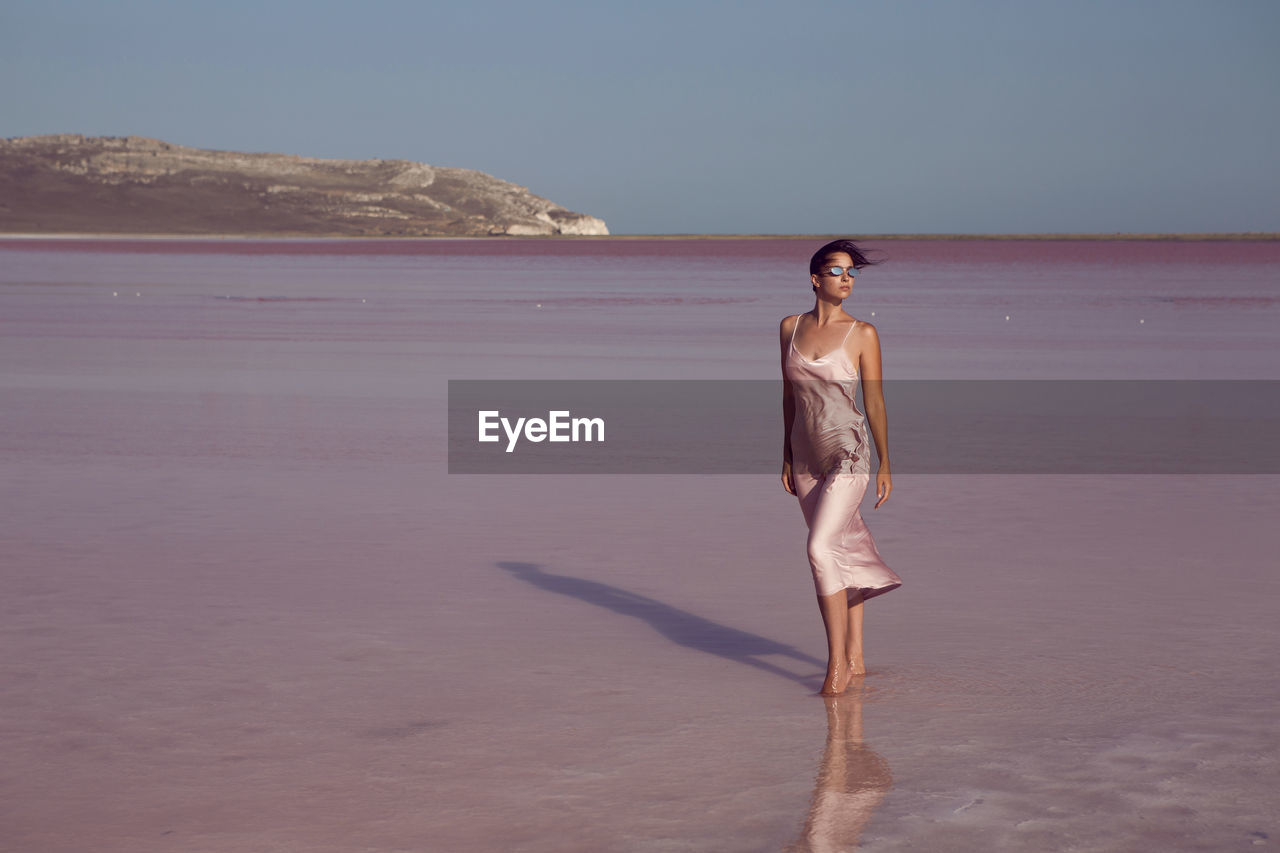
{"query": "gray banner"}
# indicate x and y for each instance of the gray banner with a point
(935, 426)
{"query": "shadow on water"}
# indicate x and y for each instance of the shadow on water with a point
(852, 780)
(678, 626)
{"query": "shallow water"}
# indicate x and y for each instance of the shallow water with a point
(246, 608)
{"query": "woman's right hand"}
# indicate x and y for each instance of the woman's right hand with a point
(788, 483)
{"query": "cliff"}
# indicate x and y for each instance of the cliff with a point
(132, 185)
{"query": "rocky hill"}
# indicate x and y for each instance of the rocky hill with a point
(132, 185)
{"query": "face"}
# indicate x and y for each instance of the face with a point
(836, 286)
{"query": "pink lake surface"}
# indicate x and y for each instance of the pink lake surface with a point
(246, 608)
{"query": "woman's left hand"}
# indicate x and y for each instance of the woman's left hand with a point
(884, 485)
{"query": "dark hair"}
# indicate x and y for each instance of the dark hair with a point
(848, 247)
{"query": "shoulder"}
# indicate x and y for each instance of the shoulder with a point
(788, 323)
(866, 331)
(863, 341)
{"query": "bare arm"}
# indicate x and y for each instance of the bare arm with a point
(788, 403)
(871, 371)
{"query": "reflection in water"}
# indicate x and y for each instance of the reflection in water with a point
(679, 626)
(852, 780)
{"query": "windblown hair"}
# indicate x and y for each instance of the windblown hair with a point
(849, 247)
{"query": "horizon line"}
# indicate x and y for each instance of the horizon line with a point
(1172, 236)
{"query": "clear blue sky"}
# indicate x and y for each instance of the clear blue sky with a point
(666, 117)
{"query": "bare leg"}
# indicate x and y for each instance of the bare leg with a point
(835, 617)
(854, 656)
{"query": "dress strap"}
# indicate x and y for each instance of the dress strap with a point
(793, 329)
(848, 333)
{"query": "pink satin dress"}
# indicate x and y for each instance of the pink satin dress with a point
(831, 468)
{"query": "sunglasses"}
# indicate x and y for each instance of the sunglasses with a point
(839, 271)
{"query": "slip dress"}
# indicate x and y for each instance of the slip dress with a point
(831, 468)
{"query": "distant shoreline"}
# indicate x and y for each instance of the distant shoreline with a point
(1233, 236)
(1250, 236)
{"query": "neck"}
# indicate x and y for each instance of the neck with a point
(826, 311)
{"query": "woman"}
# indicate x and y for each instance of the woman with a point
(826, 455)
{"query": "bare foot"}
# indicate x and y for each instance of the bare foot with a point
(856, 667)
(837, 681)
